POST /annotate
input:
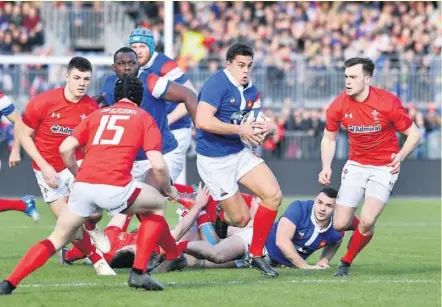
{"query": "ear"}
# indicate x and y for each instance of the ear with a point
(367, 80)
(113, 67)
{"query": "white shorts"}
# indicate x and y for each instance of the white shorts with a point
(174, 160)
(246, 235)
(360, 181)
(184, 137)
(221, 174)
(65, 181)
(87, 198)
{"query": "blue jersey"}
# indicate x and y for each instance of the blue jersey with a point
(308, 237)
(232, 102)
(6, 106)
(154, 89)
(163, 66)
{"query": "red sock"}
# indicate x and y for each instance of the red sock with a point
(168, 243)
(89, 225)
(86, 246)
(36, 257)
(354, 223)
(147, 239)
(182, 188)
(183, 245)
(127, 222)
(358, 242)
(74, 254)
(211, 208)
(12, 204)
(262, 224)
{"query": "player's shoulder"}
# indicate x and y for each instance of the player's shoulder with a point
(5, 100)
(49, 97)
(111, 79)
(90, 102)
(301, 205)
(218, 79)
(340, 99)
(385, 96)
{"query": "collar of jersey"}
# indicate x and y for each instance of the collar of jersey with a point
(317, 227)
(236, 83)
(149, 63)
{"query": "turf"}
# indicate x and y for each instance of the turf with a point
(400, 267)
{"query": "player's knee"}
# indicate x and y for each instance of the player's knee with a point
(366, 224)
(340, 224)
(273, 198)
(217, 257)
(96, 217)
(241, 220)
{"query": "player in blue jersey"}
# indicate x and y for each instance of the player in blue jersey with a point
(222, 159)
(305, 227)
(142, 41)
(157, 91)
(27, 203)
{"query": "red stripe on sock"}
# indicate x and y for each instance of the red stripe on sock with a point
(133, 197)
(35, 258)
(262, 224)
(358, 242)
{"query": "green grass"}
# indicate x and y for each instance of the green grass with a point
(400, 267)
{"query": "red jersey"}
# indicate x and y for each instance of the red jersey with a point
(53, 118)
(371, 125)
(118, 240)
(112, 137)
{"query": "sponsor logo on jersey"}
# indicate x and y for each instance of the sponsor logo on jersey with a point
(62, 130)
(236, 117)
(364, 129)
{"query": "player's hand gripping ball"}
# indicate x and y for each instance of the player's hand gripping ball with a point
(265, 132)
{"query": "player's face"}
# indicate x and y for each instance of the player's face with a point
(355, 80)
(78, 82)
(240, 68)
(126, 64)
(143, 53)
(323, 207)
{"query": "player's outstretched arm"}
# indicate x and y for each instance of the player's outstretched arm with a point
(67, 152)
(327, 254)
(14, 156)
(328, 147)
(179, 93)
(284, 234)
(181, 110)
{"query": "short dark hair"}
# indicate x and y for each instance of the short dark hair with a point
(329, 192)
(80, 63)
(239, 49)
(129, 87)
(123, 50)
(367, 64)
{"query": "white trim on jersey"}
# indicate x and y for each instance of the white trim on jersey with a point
(257, 104)
(149, 63)
(5, 102)
(174, 74)
(160, 87)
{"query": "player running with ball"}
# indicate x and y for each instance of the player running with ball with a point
(371, 116)
(223, 161)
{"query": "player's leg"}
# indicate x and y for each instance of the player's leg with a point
(26, 204)
(258, 178)
(39, 254)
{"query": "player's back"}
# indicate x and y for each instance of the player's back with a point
(113, 135)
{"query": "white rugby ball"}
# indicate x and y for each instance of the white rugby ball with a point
(249, 118)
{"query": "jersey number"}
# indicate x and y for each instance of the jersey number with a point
(108, 123)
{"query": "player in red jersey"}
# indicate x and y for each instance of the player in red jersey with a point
(118, 131)
(47, 120)
(371, 116)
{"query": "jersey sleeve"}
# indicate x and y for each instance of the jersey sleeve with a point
(399, 116)
(108, 88)
(172, 72)
(81, 132)
(333, 116)
(157, 85)
(152, 135)
(34, 112)
(294, 213)
(6, 105)
(212, 92)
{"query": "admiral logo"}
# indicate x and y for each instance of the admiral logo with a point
(364, 129)
(61, 129)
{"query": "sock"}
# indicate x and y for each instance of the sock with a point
(86, 246)
(12, 204)
(262, 224)
(127, 222)
(354, 223)
(74, 254)
(182, 188)
(89, 225)
(168, 243)
(182, 246)
(36, 257)
(358, 242)
(148, 235)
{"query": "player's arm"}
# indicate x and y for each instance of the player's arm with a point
(14, 156)
(181, 110)
(284, 234)
(413, 138)
(327, 254)
(67, 148)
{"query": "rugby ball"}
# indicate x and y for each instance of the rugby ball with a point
(249, 118)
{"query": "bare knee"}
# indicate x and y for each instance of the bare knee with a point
(273, 198)
(241, 220)
(217, 257)
(341, 224)
(366, 225)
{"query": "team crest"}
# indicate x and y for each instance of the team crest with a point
(83, 116)
(323, 243)
(232, 101)
(375, 115)
(250, 104)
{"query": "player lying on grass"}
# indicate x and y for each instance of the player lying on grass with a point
(123, 244)
(305, 227)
